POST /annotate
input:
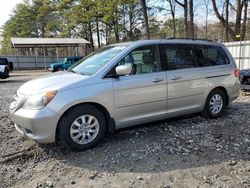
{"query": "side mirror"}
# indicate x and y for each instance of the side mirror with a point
(122, 70)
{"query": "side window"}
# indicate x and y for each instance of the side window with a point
(210, 56)
(177, 56)
(69, 60)
(143, 60)
(76, 59)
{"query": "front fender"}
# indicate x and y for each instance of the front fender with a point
(100, 93)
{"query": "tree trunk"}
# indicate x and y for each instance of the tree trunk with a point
(98, 33)
(184, 5)
(116, 25)
(106, 34)
(91, 37)
(172, 10)
(145, 15)
(206, 19)
(191, 13)
(186, 18)
(239, 7)
(226, 24)
(174, 26)
(116, 30)
(243, 30)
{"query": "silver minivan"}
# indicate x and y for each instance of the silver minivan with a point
(123, 85)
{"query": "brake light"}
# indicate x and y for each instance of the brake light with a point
(236, 73)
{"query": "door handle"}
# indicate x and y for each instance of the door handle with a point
(156, 80)
(176, 77)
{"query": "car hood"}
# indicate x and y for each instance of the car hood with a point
(54, 81)
(56, 64)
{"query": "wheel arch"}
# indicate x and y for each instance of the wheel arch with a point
(109, 120)
(223, 89)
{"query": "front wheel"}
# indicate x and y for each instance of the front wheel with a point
(215, 104)
(59, 69)
(82, 127)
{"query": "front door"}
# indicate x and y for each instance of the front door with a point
(141, 96)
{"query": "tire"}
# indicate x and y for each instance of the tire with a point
(72, 131)
(5, 74)
(11, 66)
(218, 97)
(59, 69)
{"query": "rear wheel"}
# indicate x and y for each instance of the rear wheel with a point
(215, 103)
(82, 127)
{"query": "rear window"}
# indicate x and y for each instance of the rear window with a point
(210, 56)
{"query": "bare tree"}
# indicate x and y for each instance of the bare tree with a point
(191, 15)
(227, 15)
(206, 3)
(188, 13)
(184, 5)
(145, 15)
(239, 28)
(172, 6)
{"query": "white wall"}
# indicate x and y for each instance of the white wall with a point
(241, 56)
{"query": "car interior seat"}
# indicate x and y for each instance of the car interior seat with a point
(148, 64)
(183, 59)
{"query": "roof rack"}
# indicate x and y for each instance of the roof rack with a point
(209, 40)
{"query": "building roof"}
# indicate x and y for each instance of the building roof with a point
(47, 42)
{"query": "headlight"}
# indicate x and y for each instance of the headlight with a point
(37, 102)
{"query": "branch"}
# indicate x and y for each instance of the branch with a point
(181, 4)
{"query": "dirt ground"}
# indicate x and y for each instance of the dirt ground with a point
(190, 151)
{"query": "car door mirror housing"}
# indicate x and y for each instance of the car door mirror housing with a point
(122, 70)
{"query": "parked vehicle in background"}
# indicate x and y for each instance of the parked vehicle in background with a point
(245, 79)
(4, 71)
(126, 84)
(64, 63)
(4, 61)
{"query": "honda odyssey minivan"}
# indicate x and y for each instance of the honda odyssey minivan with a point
(123, 85)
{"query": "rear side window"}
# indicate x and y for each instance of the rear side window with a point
(177, 56)
(210, 56)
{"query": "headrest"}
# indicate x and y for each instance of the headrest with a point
(147, 58)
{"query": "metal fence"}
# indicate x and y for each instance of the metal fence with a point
(31, 62)
(240, 52)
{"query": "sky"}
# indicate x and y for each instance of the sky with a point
(6, 8)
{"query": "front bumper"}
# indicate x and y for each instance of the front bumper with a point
(39, 125)
(245, 87)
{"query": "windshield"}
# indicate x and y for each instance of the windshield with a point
(95, 61)
(62, 60)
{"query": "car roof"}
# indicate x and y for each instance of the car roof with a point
(169, 41)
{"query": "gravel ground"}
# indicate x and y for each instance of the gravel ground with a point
(190, 151)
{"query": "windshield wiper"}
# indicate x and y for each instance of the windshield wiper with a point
(71, 71)
(76, 72)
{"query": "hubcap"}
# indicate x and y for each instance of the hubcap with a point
(84, 129)
(216, 104)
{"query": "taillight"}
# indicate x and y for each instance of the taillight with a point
(236, 73)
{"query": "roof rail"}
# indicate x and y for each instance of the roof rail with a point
(209, 40)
